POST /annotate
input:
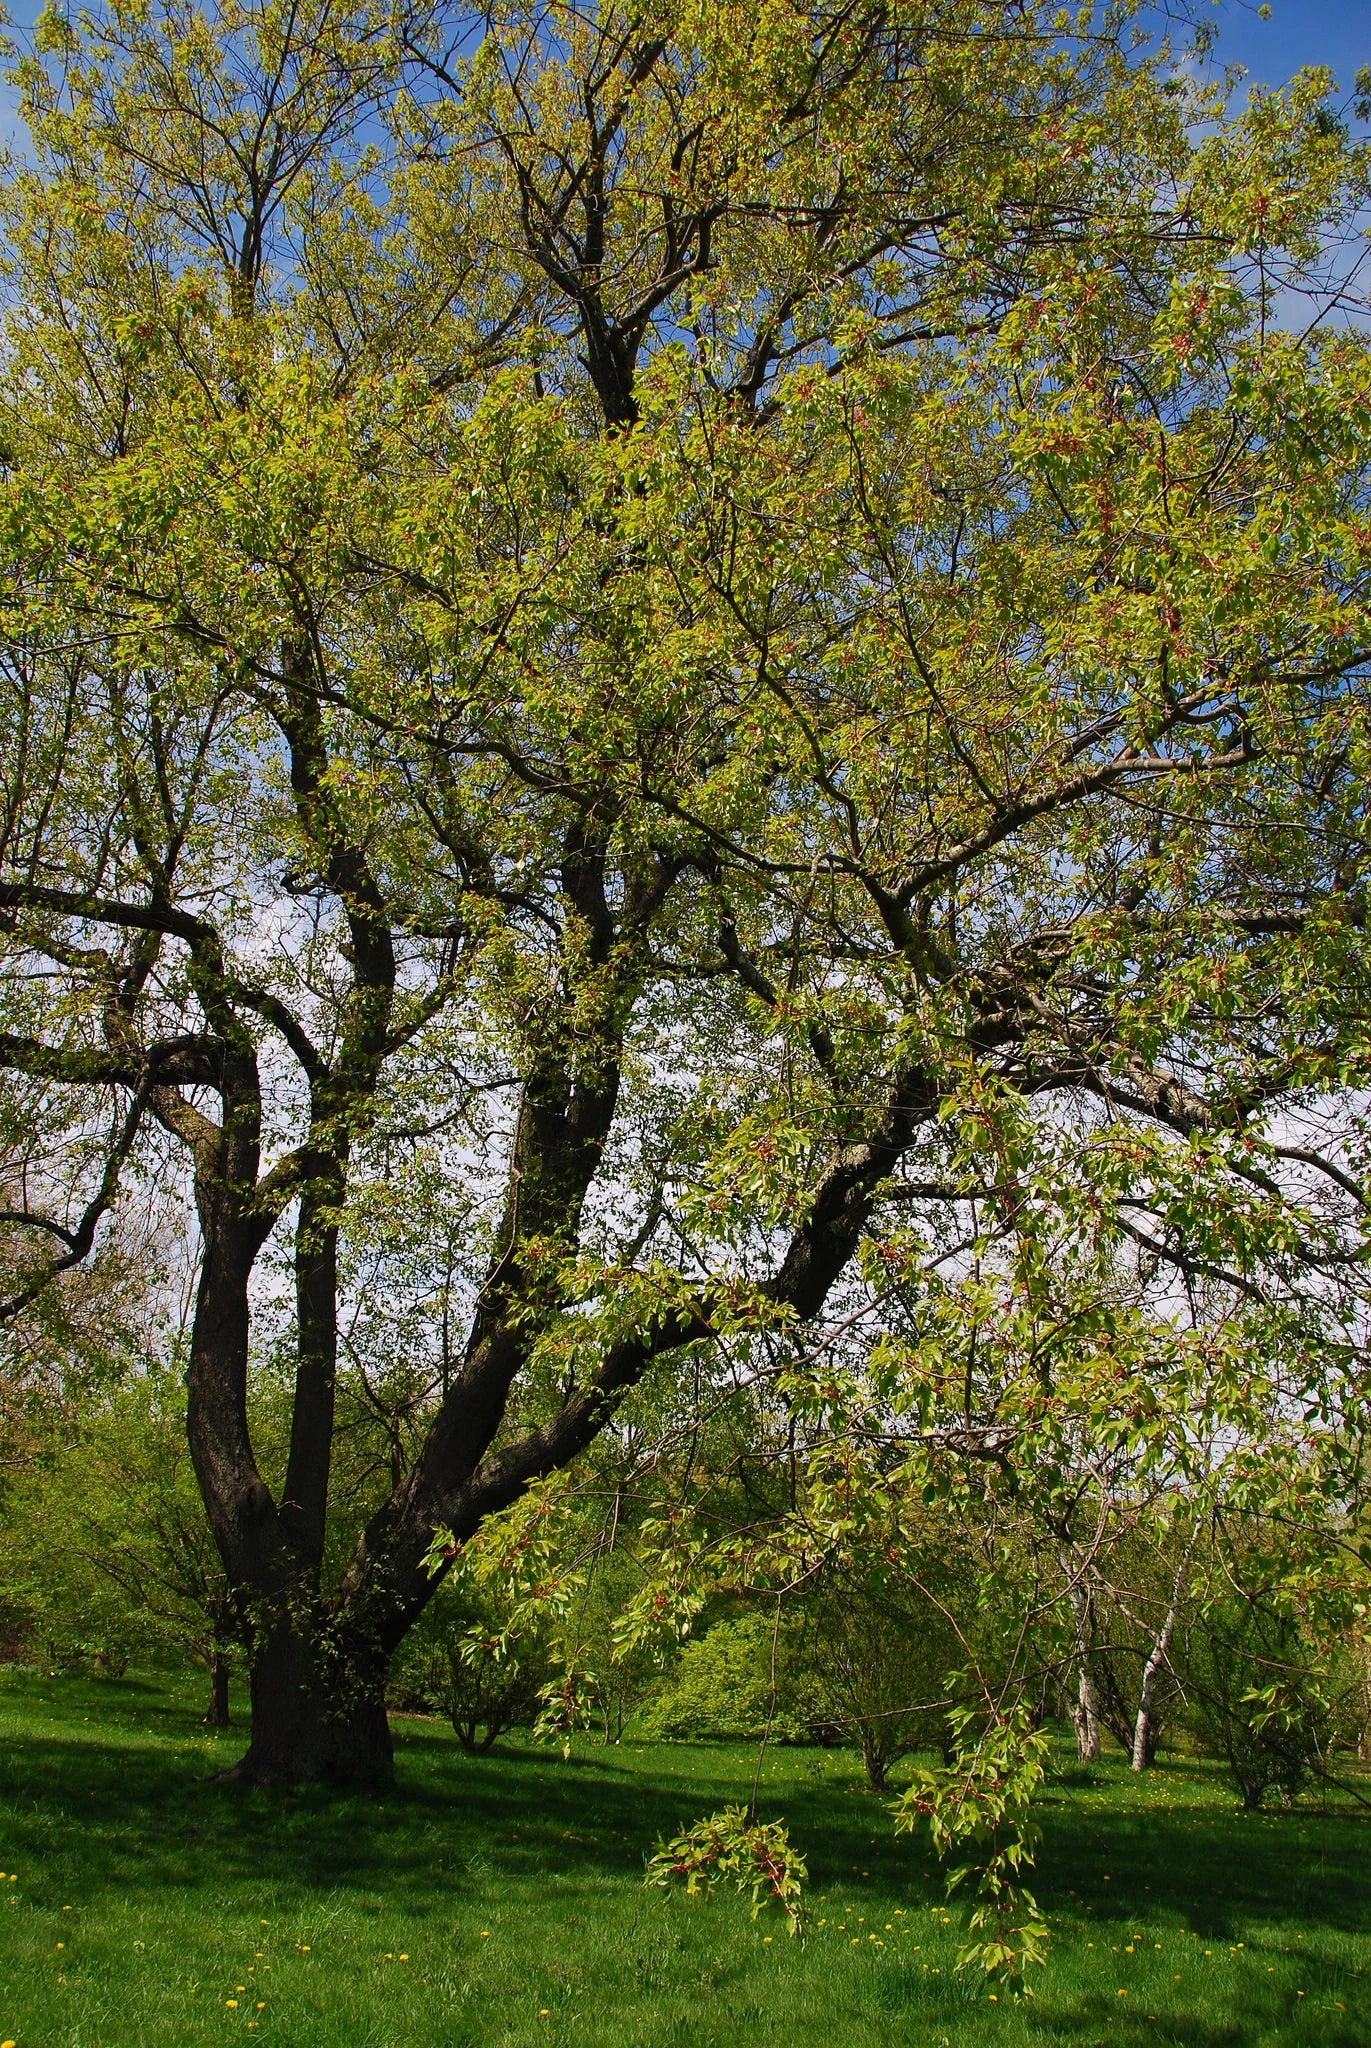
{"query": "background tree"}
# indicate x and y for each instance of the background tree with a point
(466, 1660)
(106, 1546)
(1257, 1702)
(883, 1655)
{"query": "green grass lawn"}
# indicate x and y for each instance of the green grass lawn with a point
(496, 1902)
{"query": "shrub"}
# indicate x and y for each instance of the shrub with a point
(464, 1661)
(1256, 1702)
(722, 1688)
(878, 1656)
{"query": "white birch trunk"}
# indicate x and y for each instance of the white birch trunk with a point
(1086, 1712)
(1152, 1669)
(1086, 1715)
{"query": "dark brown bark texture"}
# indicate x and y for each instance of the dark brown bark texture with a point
(217, 1711)
(316, 1715)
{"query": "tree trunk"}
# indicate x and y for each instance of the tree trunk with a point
(875, 1766)
(315, 1717)
(1143, 1745)
(1144, 1741)
(1086, 1715)
(217, 1712)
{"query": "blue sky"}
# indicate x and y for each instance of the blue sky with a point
(1332, 32)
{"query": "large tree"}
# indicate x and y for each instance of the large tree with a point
(637, 642)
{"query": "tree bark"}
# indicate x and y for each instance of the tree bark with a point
(1086, 1714)
(316, 1714)
(1144, 1742)
(1086, 1711)
(874, 1765)
(1143, 1746)
(217, 1712)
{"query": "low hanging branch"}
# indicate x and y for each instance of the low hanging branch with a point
(734, 1848)
(979, 1808)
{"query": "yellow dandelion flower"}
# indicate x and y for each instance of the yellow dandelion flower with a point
(232, 2004)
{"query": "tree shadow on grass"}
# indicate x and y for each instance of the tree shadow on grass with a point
(1176, 1847)
(1246, 2020)
(93, 1800)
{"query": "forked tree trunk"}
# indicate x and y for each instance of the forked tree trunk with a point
(873, 1762)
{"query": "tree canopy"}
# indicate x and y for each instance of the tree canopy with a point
(683, 704)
